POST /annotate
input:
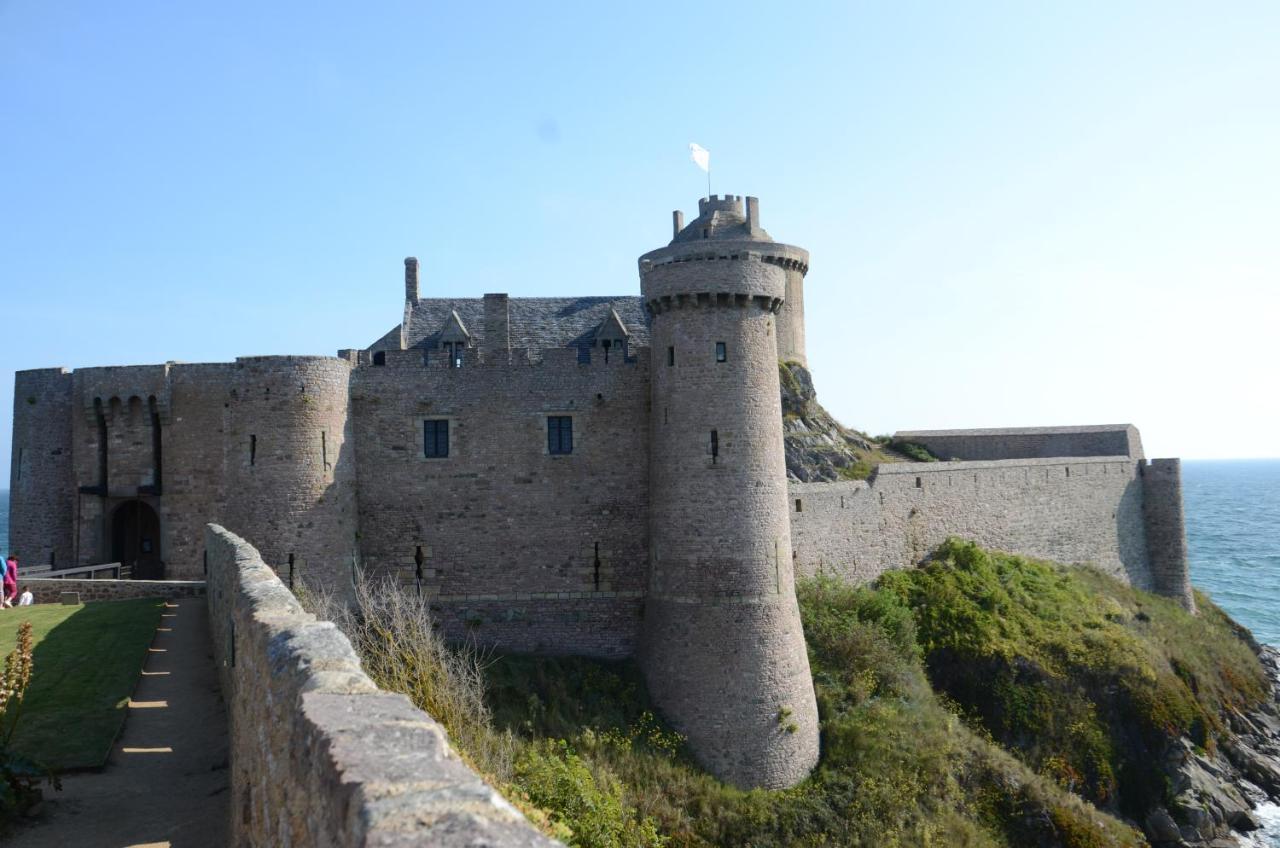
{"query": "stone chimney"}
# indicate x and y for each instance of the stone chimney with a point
(411, 279)
(677, 223)
(497, 322)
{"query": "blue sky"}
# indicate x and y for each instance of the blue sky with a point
(1018, 215)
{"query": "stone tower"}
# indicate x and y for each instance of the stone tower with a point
(722, 649)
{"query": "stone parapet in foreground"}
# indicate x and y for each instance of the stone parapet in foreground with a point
(319, 755)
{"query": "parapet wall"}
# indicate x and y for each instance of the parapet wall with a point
(48, 590)
(319, 755)
(1029, 442)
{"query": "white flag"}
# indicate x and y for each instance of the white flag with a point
(700, 156)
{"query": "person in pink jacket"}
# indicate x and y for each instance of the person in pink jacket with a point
(10, 588)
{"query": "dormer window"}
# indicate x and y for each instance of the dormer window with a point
(454, 338)
(612, 334)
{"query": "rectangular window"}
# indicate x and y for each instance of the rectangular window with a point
(671, 356)
(435, 439)
(722, 353)
(559, 434)
(715, 445)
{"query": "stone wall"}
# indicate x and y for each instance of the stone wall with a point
(319, 755)
(520, 548)
(49, 590)
(1112, 512)
(1029, 442)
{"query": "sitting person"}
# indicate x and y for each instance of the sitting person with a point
(26, 599)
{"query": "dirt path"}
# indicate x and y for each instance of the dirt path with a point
(165, 783)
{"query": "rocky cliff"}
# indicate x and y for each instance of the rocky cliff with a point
(819, 448)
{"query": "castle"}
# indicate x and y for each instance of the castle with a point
(601, 476)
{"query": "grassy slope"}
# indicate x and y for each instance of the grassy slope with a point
(897, 767)
(1086, 679)
(85, 665)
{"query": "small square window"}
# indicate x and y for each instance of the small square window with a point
(722, 352)
(559, 434)
(435, 439)
(379, 357)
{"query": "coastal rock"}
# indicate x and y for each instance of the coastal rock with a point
(1215, 794)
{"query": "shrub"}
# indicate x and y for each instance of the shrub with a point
(20, 776)
(913, 450)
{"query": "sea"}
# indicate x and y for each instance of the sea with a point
(1233, 535)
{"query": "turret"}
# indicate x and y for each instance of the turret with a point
(723, 651)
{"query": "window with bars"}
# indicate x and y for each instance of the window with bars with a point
(559, 434)
(435, 439)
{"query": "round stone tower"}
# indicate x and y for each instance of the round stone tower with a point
(722, 648)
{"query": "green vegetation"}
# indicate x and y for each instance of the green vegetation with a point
(20, 776)
(86, 663)
(912, 450)
(576, 745)
(1085, 678)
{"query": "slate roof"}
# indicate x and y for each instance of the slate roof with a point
(536, 322)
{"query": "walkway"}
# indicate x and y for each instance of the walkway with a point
(165, 783)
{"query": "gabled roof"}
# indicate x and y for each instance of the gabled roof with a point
(536, 322)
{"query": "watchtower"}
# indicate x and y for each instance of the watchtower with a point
(722, 649)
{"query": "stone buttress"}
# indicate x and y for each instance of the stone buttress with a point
(722, 649)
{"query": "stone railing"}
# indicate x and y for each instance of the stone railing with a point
(49, 590)
(319, 755)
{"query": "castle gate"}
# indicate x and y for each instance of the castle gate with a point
(135, 540)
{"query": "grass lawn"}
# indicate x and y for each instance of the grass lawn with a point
(85, 666)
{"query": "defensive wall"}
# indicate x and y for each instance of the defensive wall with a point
(319, 755)
(1120, 513)
(1029, 442)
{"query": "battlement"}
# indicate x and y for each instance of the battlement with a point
(420, 359)
(720, 203)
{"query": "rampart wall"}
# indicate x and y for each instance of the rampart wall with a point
(319, 755)
(521, 548)
(1082, 510)
(1029, 442)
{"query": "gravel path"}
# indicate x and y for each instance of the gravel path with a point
(165, 783)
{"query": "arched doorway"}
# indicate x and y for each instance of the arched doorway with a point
(135, 540)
